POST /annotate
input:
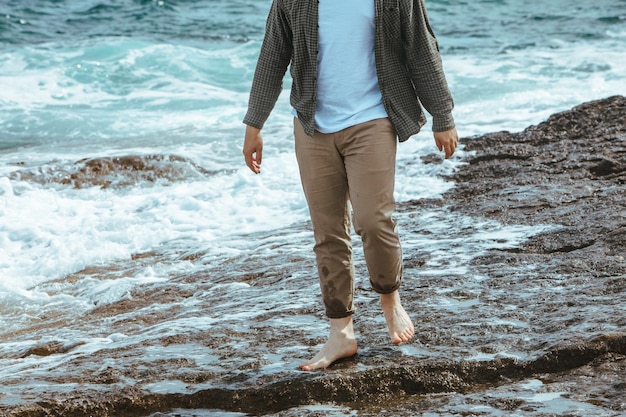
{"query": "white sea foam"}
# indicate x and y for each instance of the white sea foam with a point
(122, 89)
(47, 232)
(522, 87)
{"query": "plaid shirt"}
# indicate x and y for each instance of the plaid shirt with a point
(407, 58)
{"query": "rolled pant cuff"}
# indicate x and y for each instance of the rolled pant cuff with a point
(387, 291)
(342, 315)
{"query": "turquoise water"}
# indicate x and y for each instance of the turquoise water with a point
(169, 79)
(164, 84)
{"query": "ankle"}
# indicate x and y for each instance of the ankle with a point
(342, 330)
(390, 299)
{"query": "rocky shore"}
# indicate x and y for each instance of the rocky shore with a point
(537, 328)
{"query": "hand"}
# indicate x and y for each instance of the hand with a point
(447, 141)
(253, 149)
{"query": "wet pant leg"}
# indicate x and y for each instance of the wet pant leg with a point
(369, 151)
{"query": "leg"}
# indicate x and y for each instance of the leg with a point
(325, 186)
(370, 157)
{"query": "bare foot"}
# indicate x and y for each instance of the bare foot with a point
(341, 344)
(399, 323)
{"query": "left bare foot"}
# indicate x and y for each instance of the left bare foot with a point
(341, 344)
(400, 325)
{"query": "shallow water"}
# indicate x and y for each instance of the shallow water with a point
(136, 249)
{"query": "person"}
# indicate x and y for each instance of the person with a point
(361, 71)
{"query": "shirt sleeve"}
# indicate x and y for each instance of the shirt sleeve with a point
(425, 66)
(274, 58)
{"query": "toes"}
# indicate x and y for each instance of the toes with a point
(313, 366)
(402, 337)
(396, 339)
(307, 367)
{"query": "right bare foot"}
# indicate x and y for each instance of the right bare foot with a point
(341, 344)
(400, 325)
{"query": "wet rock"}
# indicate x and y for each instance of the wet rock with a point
(369, 388)
(116, 172)
(505, 324)
(50, 348)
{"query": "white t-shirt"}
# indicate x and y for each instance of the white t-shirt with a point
(347, 85)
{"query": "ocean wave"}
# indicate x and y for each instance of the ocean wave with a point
(37, 21)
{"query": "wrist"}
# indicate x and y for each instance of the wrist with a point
(443, 123)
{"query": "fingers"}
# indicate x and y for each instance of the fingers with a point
(259, 156)
(453, 140)
(450, 148)
(253, 149)
(447, 142)
(255, 166)
(253, 161)
(250, 156)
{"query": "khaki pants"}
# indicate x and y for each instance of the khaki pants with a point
(357, 166)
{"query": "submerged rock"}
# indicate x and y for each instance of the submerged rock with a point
(116, 172)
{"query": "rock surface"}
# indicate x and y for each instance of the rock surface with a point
(543, 316)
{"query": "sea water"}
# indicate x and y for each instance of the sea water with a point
(121, 132)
